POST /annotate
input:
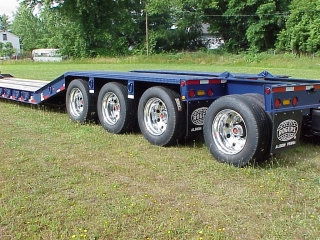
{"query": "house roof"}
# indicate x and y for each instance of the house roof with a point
(7, 32)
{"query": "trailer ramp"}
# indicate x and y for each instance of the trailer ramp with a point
(29, 91)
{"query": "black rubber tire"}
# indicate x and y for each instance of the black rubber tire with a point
(315, 121)
(88, 111)
(255, 97)
(125, 118)
(176, 116)
(253, 125)
(259, 100)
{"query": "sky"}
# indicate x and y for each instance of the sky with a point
(8, 6)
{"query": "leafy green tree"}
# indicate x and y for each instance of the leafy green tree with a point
(108, 27)
(27, 27)
(245, 24)
(6, 49)
(1, 49)
(302, 28)
(49, 27)
(175, 25)
(97, 27)
(4, 23)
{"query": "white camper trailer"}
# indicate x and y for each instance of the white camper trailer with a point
(46, 55)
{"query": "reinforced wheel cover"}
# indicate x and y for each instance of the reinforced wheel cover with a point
(76, 102)
(156, 116)
(229, 131)
(111, 108)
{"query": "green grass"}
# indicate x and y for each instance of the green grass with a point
(304, 67)
(60, 180)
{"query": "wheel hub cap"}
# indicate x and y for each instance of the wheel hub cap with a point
(111, 108)
(229, 131)
(76, 102)
(156, 116)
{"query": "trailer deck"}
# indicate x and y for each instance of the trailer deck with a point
(37, 91)
(26, 90)
(22, 84)
(222, 83)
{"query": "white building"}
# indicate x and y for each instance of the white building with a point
(10, 37)
(210, 41)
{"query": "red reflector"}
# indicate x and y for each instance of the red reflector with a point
(279, 89)
(197, 82)
(214, 81)
(267, 91)
(300, 88)
(295, 101)
(277, 103)
(210, 92)
(193, 82)
(192, 93)
(183, 83)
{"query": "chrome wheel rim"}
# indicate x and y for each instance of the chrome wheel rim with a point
(76, 102)
(156, 116)
(229, 132)
(111, 108)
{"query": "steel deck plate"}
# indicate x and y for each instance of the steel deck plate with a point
(22, 84)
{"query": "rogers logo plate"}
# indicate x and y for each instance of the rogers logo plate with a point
(287, 130)
(197, 117)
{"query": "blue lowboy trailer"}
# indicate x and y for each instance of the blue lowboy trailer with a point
(243, 117)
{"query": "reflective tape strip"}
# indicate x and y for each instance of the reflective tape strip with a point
(204, 81)
(199, 82)
(295, 88)
(61, 89)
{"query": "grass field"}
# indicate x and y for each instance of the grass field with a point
(60, 180)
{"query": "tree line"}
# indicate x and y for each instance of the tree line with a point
(120, 27)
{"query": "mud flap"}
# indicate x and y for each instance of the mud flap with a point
(196, 113)
(286, 130)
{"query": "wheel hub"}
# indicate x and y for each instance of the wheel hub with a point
(76, 102)
(237, 130)
(111, 108)
(156, 116)
(229, 131)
